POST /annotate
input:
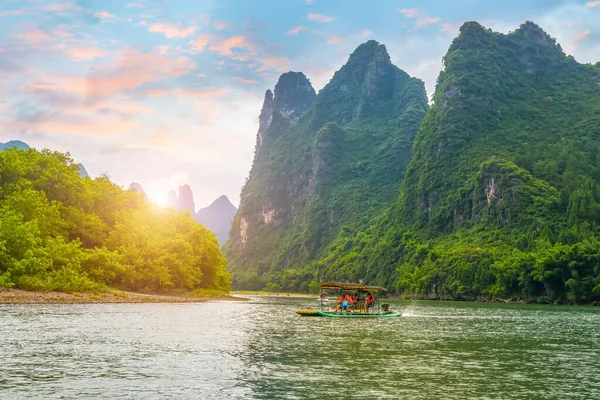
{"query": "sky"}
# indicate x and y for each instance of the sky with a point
(168, 92)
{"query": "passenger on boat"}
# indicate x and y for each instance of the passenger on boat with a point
(340, 303)
(355, 302)
(347, 302)
(370, 301)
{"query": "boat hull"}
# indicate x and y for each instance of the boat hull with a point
(316, 313)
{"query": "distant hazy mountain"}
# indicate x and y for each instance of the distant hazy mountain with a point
(217, 217)
(14, 143)
(82, 171)
(137, 187)
(24, 146)
(184, 201)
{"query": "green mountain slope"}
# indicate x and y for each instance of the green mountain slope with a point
(501, 196)
(324, 164)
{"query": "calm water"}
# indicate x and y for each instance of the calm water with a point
(261, 350)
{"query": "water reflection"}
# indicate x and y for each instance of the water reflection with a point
(260, 349)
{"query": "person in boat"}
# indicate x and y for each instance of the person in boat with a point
(340, 302)
(355, 302)
(347, 303)
(370, 301)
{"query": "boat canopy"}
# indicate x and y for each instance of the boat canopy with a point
(351, 286)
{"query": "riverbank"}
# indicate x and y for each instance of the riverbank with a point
(13, 296)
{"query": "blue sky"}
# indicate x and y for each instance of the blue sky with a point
(168, 92)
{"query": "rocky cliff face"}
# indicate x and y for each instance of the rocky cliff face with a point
(293, 95)
(217, 217)
(319, 159)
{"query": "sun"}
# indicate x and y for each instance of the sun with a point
(157, 197)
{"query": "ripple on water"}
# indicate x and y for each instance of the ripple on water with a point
(260, 349)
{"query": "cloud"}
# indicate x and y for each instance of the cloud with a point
(295, 30)
(172, 30)
(11, 13)
(334, 39)
(201, 42)
(318, 17)
(220, 25)
(131, 70)
(104, 15)
(80, 52)
(225, 48)
(279, 64)
(592, 4)
(426, 20)
(409, 12)
(204, 93)
(451, 28)
(578, 37)
(244, 81)
(135, 5)
(364, 33)
(61, 7)
(308, 2)
(574, 23)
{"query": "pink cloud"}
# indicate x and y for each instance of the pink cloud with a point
(426, 20)
(220, 25)
(86, 126)
(578, 37)
(61, 7)
(225, 48)
(206, 93)
(451, 27)
(104, 15)
(592, 4)
(365, 33)
(318, 17)
(172, 30)
(334, 39)
(244, 81)
(201, 42)
(131, 70)
(80, 52)
(308, 2)
(295, 30)
(409, 12)
(274, 63)
(11, 13)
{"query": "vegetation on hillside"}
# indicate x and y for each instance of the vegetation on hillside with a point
(501, 198)
(61, 232)
(334, 168)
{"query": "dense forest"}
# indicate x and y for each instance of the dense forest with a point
(59, 231)
(501, 196)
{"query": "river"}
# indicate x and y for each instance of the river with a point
(260, 349)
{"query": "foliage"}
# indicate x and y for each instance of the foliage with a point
(334, 168)
(59, 231)
(501, 198)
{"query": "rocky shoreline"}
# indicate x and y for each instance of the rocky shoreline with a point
(12, 296)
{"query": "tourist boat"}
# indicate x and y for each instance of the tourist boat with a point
(339, 309)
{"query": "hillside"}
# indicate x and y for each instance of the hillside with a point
(324, 164)
(501, 196)
(217, 217)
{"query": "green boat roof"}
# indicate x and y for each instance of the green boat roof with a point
(351, 286)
